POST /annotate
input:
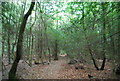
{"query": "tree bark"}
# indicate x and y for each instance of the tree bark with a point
(56, 50)
(8, 49)
(94, 62)
(3, 37)
(12, 73)
(118, 29)
(13, 47)
(103, 63)
(104, 36)
(118, 52)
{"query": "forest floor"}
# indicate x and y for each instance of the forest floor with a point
(52, 70)
(62, 70)
(40, 71)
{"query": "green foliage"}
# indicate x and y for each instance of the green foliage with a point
(75, 25)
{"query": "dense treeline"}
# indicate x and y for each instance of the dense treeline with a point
(86, 30)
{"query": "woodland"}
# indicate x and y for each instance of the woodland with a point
(60, 40)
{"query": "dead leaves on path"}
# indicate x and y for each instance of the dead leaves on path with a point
(69, 72)
(62, 70)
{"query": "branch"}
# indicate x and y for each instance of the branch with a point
(113, 34)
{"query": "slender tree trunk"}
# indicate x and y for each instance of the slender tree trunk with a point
(13, 47)
(112, 42)
(103, 63)
(118, 30)
(56, 50)
(3, 39)
(49, 54)
(104, 36)
(46, 37)
(94, 62)
(90, 51)
(118, 49)
(30, 47)
(12, 73)
(27, 50)
(41, 48)
(112, 38)
(8, 43)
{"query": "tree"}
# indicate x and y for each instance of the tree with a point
(118, 67)
(56, 50)
(12, 73)
(104, 35)
(87, 31)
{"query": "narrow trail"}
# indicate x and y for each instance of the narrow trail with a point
(52, 70)
(61, 70)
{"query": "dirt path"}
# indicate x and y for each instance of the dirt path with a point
(61, 70)
(50, 71)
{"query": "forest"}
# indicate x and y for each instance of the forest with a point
(60, 40)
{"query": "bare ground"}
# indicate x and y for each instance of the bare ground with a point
(61, 70)
(40, 71)
(52, 70)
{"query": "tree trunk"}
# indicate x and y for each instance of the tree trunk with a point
(56, 50)
(41, 47)
(90, 51)
(12, 49)
(118, 70)
(3, 38)
(47, 43)
(12, 73)
(31, 48)
(104, 36)
(93, 59)
(118, 30)
(8, 44)
(103, 63)
(49, 54)
(118, 52)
